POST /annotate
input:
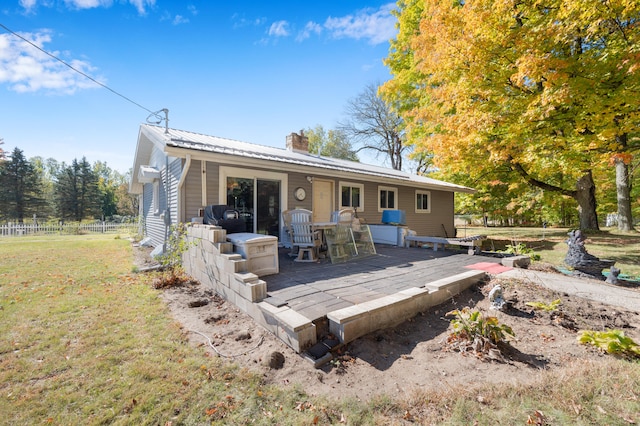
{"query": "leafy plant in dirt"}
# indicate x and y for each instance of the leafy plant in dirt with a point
(519, 249)
(173, 274)
(472, 331)
(545, 307)
(613, 342)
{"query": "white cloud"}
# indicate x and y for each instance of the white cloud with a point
(88, 4)
(179, 19)
(279, 29)
(27, 69)
(140, 5)
(310, 28)
(28, 5)
(377, 26)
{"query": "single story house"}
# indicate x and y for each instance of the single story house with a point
(178, 173)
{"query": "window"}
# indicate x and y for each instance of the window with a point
(156, 197)
(387, 197)
(352, 195)
(423, 202)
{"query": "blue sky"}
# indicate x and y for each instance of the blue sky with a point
(245, 70)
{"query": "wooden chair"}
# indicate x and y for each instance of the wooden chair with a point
(304, 237)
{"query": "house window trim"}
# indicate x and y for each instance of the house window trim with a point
(156, 197)
(415, 201)
(360, 186)
(395, 197)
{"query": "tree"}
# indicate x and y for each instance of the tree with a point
(128, 204)
(332, 143)
(2, 154)
(77, 190)
(547, 90)
(376, 126)
(107, 188)
(46, 170)
(19, 187)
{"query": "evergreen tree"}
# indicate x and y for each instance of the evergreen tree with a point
(19, 188)
(78, 194)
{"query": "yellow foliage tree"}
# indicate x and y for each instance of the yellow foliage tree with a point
(549, 90)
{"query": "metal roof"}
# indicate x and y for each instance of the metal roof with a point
(213, 144)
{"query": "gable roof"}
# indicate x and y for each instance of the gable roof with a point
(178, 143)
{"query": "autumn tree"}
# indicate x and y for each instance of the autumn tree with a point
(375, 126)
(330, 143)
(549, 91)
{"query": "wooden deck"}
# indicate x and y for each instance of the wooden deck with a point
(316, 289)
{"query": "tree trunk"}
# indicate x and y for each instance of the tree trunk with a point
(625, 218)
(585, 195)
(623, 190)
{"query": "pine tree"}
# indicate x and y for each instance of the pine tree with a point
(19, 188)
(78, 195)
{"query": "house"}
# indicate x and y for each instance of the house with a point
(177, 173)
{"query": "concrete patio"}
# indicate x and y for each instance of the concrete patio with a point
(316, 289)
(315, 306)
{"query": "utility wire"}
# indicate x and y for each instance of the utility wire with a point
(79, 72)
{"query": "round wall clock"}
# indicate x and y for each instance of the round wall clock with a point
(300, 194)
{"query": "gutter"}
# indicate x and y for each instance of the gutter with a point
(183, 178)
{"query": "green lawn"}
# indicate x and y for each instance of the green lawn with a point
(84, 341)
(550, 244)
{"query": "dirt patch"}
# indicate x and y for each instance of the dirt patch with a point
(413, 355)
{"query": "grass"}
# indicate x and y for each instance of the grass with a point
(85, 341)
(550, 244)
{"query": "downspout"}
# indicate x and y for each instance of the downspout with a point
(183, 178)
(167, 212)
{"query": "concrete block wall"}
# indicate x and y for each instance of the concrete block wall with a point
(355, 321)
(210, 260)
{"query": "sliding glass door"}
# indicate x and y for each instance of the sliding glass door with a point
(258, 200)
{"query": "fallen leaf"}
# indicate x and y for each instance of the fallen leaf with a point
(600, 409)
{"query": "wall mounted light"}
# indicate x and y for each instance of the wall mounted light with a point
(310, 179)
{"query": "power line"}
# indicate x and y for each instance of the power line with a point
(155, 113)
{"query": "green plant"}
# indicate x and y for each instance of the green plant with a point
(544, 307)
(171, 260)
(175, 246)
(611, 341)
(473, 331)
(520, 249)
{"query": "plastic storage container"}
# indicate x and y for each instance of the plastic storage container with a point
(260, 251)
(394, 217)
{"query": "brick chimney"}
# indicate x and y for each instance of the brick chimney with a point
(298, 142)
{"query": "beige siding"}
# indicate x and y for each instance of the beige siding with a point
(192, 187)
(213, 176)
(297, 180)
(432, 224)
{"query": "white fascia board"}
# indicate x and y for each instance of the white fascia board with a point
(231, 160)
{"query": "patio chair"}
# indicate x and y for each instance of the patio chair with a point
(343, 216)
(304, 237)
(341, 243)
(288, 240)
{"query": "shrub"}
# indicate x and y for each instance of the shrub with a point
(611, 341)
(473, 332)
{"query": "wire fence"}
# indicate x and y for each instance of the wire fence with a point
(70, 228)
